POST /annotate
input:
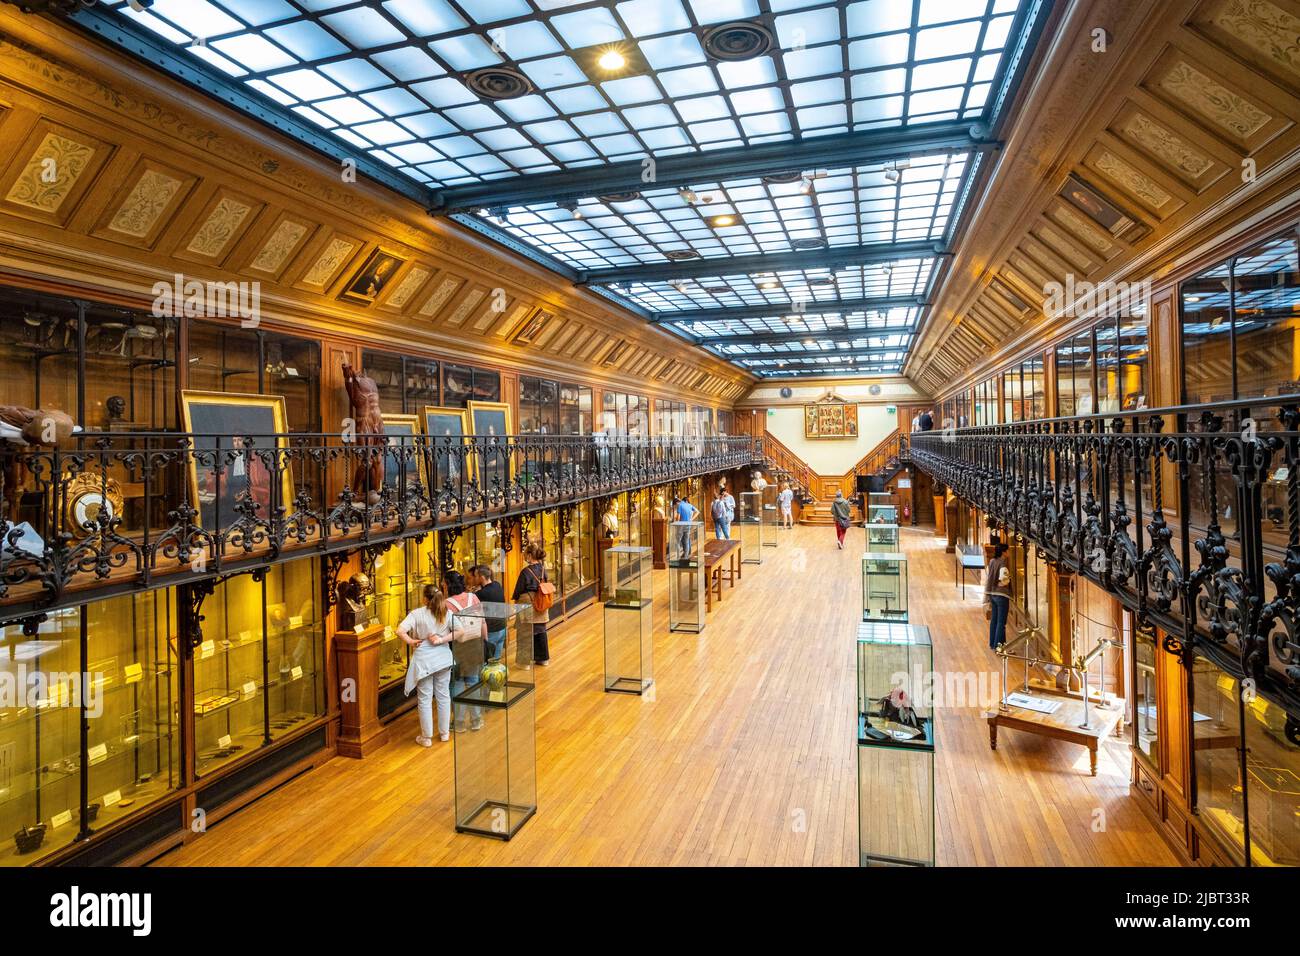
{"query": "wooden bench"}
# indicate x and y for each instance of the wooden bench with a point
(722, 558)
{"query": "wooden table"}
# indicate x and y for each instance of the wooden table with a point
(1063, 724)
(968, 557)
(716, 552)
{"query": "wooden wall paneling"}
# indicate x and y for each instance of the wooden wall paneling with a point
(51, 170)
(149, 195)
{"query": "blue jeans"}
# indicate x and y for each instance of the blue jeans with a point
(496, 645)
(1001, 606)
(722, 528)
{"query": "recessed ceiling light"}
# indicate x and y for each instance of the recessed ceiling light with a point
(723, 220)
(738, 40)
(679, 254)
(769, 284)
(611, 61)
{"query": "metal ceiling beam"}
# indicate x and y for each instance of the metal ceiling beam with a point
(768, 358)
(828, 258)
(808, 307)
(707, 166)
(780, 338)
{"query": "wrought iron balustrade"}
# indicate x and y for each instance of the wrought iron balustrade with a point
(1190, 516)
(110, 513)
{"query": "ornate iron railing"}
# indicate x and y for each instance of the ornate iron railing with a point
(1190, 516)
(111, 513)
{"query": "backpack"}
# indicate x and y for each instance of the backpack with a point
(463, 629)
(719, 508)
(544, 596)
(1004, 576)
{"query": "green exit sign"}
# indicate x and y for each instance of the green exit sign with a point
(891, 410)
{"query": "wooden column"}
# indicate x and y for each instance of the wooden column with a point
(358, 665)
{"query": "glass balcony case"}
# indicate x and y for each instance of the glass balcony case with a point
(895, 744)
(496, 760)
(686, 576)
(884, 586)
(748, 528)
(259, 672)
(109, 668)
(629, 620)
(882, 537)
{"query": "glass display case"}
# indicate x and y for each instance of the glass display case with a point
(895, 744)
(882, 537)
(884, 586)
(629, 620)
(259, 671)
(773, 529)
(882, 513)
(109, 668)
(686, 576)
(495, 761)
(748, 528)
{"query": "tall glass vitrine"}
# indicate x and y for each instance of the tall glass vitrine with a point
(749, 527)
(895, 746)
(629, 620)
(686, 576)
(884, 586)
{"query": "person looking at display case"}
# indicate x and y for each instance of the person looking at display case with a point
(721, 525)
(683, 511)
(490, 591)
(785, 498)
(840, 512)
(427, 631)
(997, 596)
(468, 638)
(527, 585)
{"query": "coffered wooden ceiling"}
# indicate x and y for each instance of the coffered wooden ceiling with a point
(1190, 107)
(115, 178)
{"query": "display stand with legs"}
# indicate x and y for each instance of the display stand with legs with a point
(686, 576)
(749, 526)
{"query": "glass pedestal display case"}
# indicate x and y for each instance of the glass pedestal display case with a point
(629, 620)
(882, 513)
(882, 537)
(110, 666)
(748, 528)
(884, 586)
(686, 576)
(259, 672)
(895, 743)
(772, 517)
(495, 752)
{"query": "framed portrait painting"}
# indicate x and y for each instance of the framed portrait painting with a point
(373, 277)
(230, 423)
(445, 430)
(491, 420)
(404, 450)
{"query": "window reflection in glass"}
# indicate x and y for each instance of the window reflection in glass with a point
(1216, 735)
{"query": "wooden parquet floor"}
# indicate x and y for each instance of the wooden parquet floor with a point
(742, 755)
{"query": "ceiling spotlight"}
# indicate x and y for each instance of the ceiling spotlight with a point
(501, 214)
(806, 186)
(611, 61)
(892, 175)
(688, 195)
(571, 207)
(769, 284)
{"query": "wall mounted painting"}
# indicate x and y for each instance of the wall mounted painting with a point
(239, 426)
(830, 420)
(444, 430)
(402, 459)
(373, 277)
(491, 424)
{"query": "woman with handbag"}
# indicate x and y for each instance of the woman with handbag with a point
(468, 634)
(997, 596)
(540, 593)
(427, 631)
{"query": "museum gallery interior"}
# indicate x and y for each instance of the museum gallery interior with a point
(650, 432)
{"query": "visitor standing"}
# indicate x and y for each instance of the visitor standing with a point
(927, 421)
(997, 596)
(467, 648)
(683, 511)
(840, 512)
(785, 499)
(532, 584)
(490, 591)
(427, 631)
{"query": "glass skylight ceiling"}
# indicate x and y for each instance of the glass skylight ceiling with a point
(843, 207)
(388, 76)
(394, 79)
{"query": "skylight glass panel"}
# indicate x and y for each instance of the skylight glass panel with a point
(362, 27)
(425, 17)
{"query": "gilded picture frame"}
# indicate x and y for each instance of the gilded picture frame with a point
(830, 420)
(376, 272)
(408, 427)
(442, 425)
(491, 420)
(225, 416)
